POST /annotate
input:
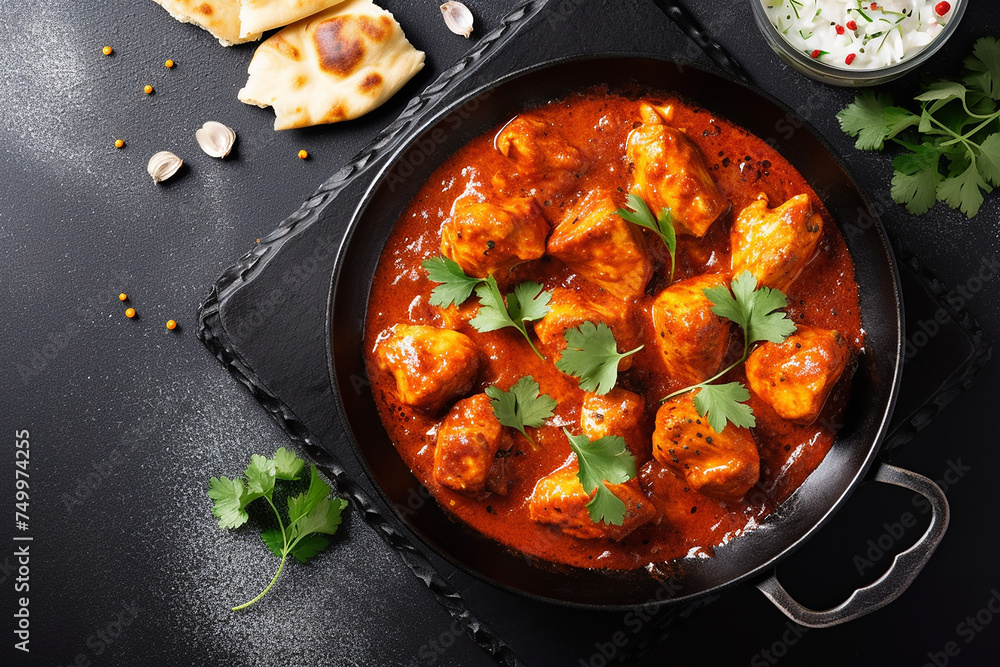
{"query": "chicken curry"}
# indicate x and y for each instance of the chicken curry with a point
(549, 201)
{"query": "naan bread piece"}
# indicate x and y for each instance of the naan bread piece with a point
(335, 65)
(219, 17)
(257, 16)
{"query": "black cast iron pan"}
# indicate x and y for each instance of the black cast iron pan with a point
(751, 556)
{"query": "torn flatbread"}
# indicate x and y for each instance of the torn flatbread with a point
(219, 17)
(335, 65)
(258, 16)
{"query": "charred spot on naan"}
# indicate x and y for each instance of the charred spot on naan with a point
(205, 9)
(371, 83)
(339, 45)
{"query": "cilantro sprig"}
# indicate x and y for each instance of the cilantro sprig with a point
(638, 213)
(455, 285)
(758, 312)
(952, 143)
(592, 355)
(522, 405)
(603, 461)
(312, 515)
(527, 303)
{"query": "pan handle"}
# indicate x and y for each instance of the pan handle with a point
(903, 570)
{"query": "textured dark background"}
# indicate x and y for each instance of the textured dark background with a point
(128, 421)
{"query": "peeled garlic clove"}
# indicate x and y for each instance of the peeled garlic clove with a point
(458, 18)
(163, 165)
(215, 139)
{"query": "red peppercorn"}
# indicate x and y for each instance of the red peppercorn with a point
(815, 54)
(942, 8)
(851, 25)
(850, 58)
(874, 6)
(840, 30)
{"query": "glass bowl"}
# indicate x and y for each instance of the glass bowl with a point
(846, 77)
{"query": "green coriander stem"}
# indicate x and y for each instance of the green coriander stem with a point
(284, 557)
(533, 348)
(281, 524)
(746, 353)
(973, 131)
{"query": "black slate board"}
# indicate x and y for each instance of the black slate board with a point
(266, 321)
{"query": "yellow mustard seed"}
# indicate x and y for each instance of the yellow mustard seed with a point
(119, 143)
(130, 313)
(303, 154)
(147, 89)
(122, 296)
(107, 50)
(169, 63)
(171, 325)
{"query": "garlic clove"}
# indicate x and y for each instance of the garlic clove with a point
(458, 18)
(163, 165)
(215, 139)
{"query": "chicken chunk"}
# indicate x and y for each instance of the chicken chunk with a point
(723, 465)
(432, 367)
(619, 412)
(775, 244)
(541, 154)
(668, 171)
(796, 377)
(467, 443)
(602, 247)
(568, 309)
(691, 339)
(485, 238)
(560, 501)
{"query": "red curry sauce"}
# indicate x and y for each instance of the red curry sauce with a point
(742, 166)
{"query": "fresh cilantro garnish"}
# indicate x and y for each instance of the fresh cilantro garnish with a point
(522, 405)
(638, 213)
(603, 461)
(592, 355)
(952, 142)
(527, 303)
(311, 515)
(758, 311)
(721, 402)
(456, 286)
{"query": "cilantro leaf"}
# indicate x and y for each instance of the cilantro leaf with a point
(274, 540)
(864, 119)
(638, 213)
(963, 190)
(227, 506)
(721, 402)
(309, 546)
(323, 518)
(311, 515)
(988, 160)
(522, 405)
(530, 302)
(492, 313)
(756, 310)
(603, 461)
(456, 286)
(527, 303)
(259, 477)
(592, 355)
(287, 465)
(941, 92)
(984, 66)
(302, 504)
(915, 179)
